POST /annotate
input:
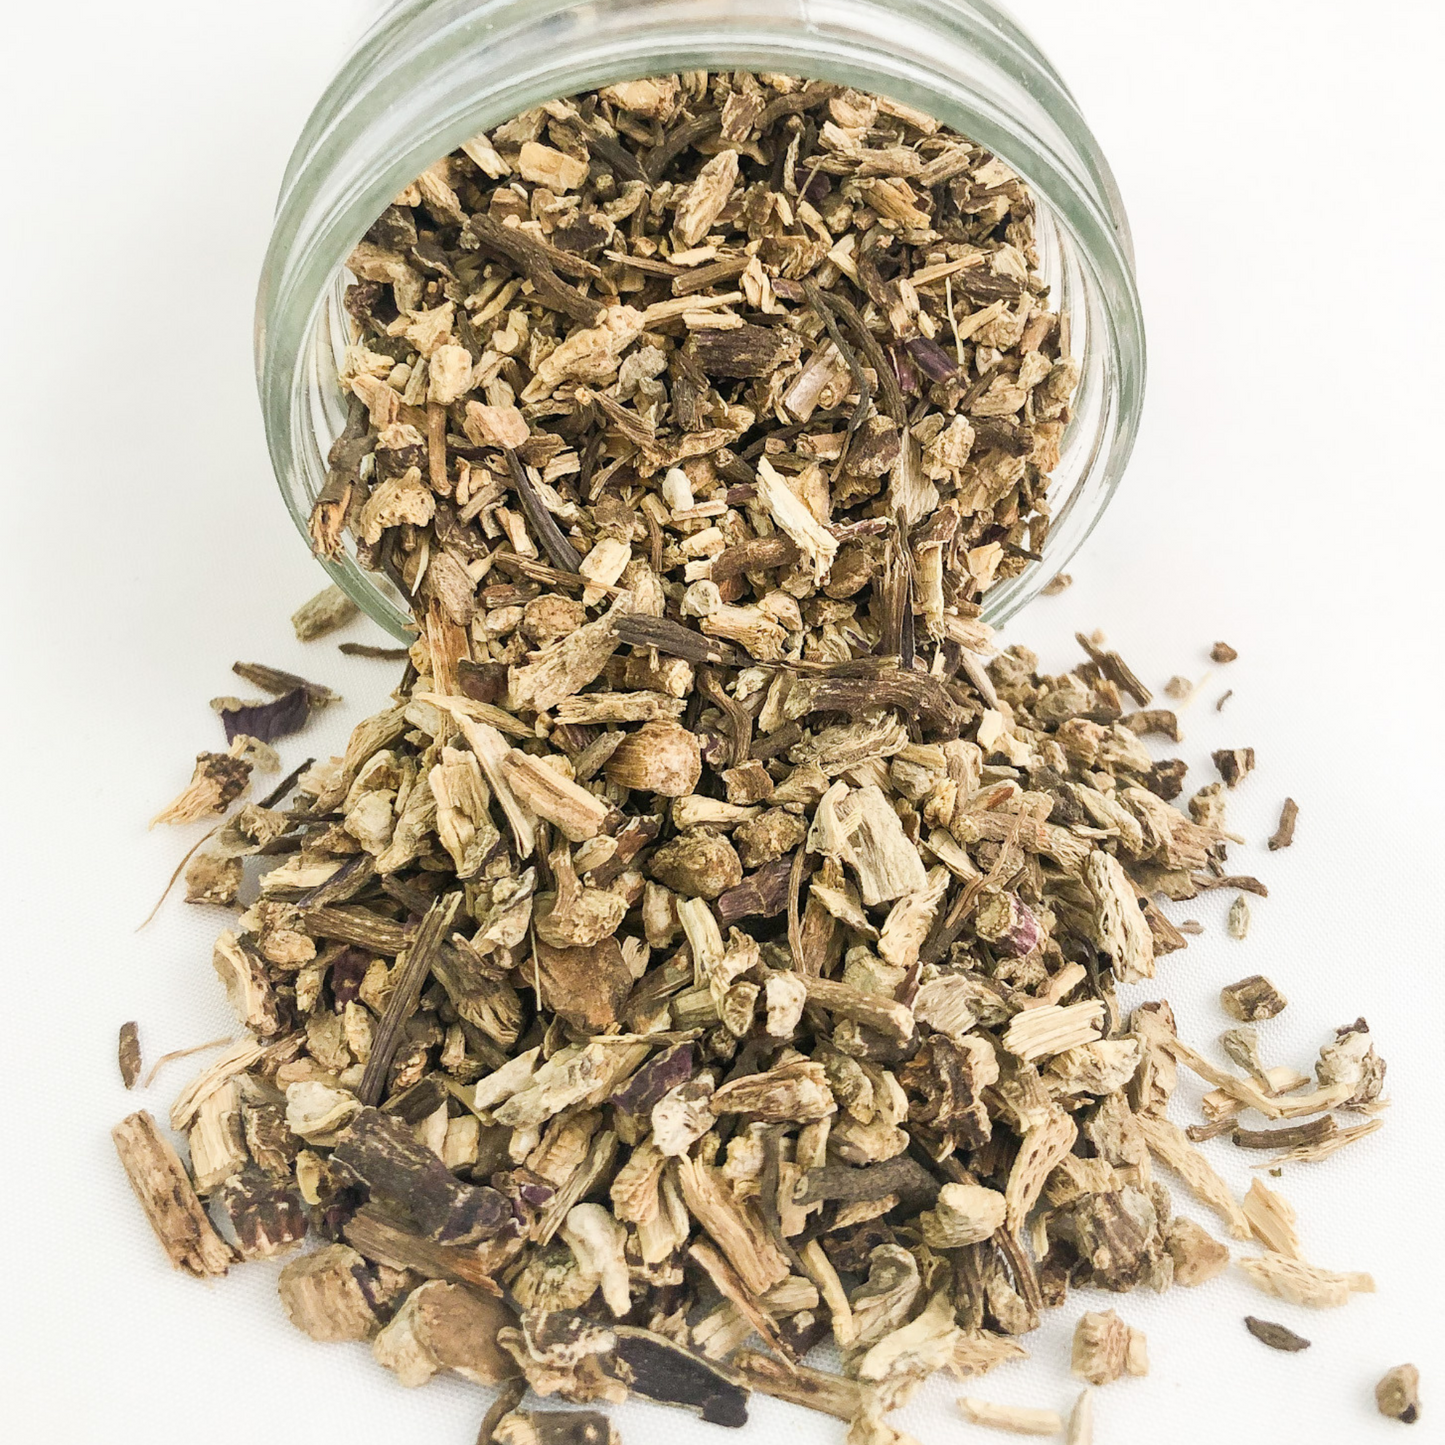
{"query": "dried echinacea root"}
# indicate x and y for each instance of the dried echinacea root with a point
(1398, 1394)
(706, 942)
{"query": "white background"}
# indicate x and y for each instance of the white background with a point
(1281, 165)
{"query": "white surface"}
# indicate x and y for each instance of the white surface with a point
(1281, 166)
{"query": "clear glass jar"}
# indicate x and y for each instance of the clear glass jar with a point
(432, 73)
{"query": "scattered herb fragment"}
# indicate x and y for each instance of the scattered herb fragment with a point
(269, 721)
(1283, 836)
(1252, 999)
(1277, 1337)
(329, 609)
(1222, 652)
(1238, 920)
(277, 682)
(1234, 764)
(367, 649)
(1398, 1394)
(129, 1054)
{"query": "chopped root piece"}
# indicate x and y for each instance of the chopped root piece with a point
(1303, 1284)
(1105, 1348)
(1016, 1419)
(1398, 1394)
(1252, 999)
(329, 609)
(1283, 836)
(168, 1198)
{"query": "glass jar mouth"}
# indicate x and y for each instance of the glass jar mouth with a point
(432, 73)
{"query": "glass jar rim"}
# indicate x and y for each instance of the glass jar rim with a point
(430, 74)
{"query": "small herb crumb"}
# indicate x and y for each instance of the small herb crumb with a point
(1283, 836)
(1222, 652)
(129, 1054)
(329, 609)
(1254, 998)
(1398, 1394)
(1059, 583)
(1234, 764)
(1239, 918)
(1277, 1337)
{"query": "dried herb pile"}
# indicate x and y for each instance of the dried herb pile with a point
(710, 952)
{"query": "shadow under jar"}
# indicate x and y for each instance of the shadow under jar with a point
(433, 73)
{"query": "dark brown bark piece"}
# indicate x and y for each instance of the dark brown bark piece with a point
(654, 1079)
(539, 264)
(412, 974)
(266, 1214)
(542, 522)
(763, 894)
(656, 1368)
(1252, 999)
(744, 352)
(268, 721)
(509, 1396)
(1115, 669)
(1277, 1337)
(367, 649)
(1234, 764)
(848, 1184)
(1283, 836)
(1290, 1136)
(672, 638)
(383, 1155)
(915, 694)
(278, 682)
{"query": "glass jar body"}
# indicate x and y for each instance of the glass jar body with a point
(432, 73)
